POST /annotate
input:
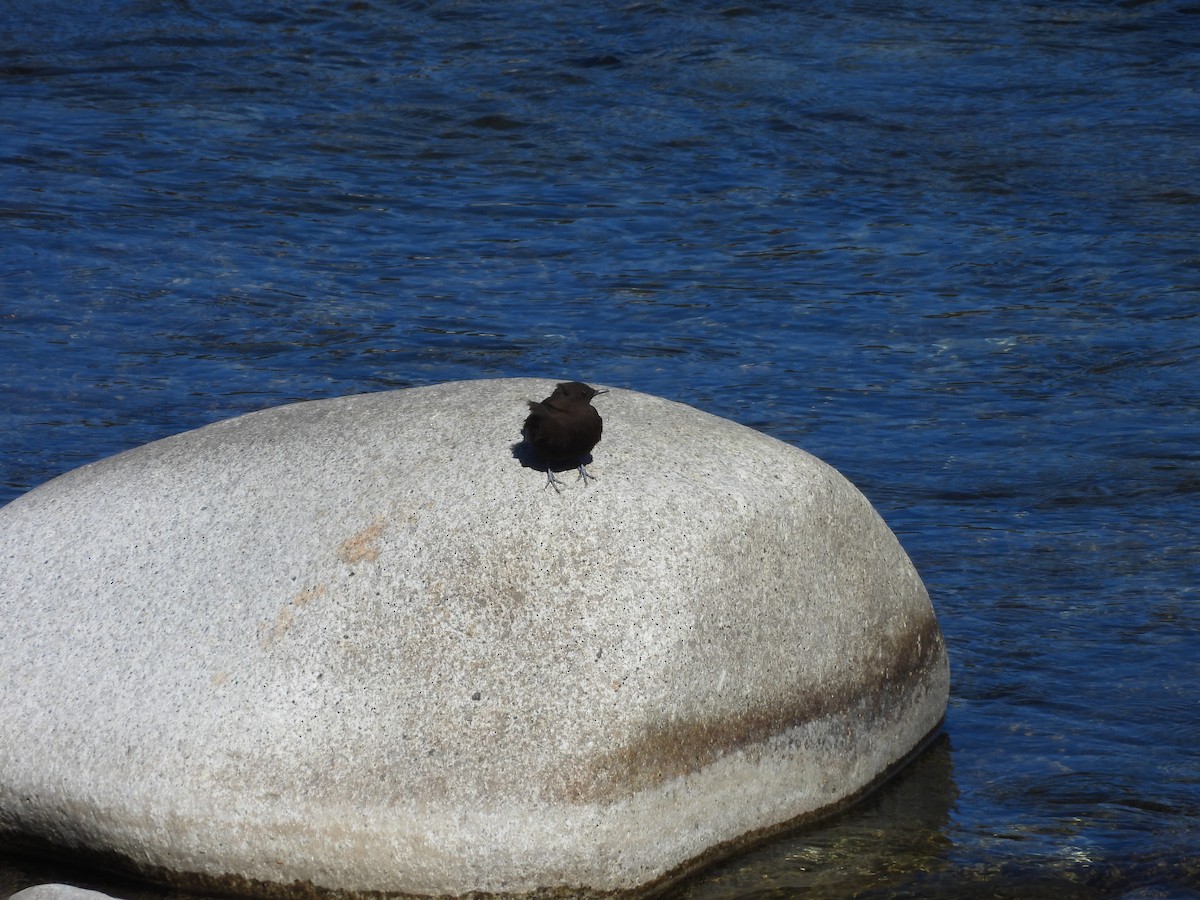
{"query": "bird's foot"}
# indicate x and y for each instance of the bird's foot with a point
(584, 474)
(556, 483)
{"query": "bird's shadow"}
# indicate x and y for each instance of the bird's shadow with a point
(525, 453)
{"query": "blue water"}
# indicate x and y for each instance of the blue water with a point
(952, 248)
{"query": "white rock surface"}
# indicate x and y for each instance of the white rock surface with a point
(58, 892)
(356, 643)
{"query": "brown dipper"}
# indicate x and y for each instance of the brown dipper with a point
(564, 428)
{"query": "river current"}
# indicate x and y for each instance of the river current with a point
(951, 248)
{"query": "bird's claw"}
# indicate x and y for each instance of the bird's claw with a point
(556, 483)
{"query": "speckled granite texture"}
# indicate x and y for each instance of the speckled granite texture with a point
(57, 892)
(357, 644)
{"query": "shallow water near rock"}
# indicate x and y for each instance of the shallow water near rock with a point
(949, 248)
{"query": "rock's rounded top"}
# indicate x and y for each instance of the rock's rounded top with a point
(367, 623)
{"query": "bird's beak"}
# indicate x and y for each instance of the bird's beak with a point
(598, 393)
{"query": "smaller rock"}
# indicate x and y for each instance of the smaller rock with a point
(58, 892)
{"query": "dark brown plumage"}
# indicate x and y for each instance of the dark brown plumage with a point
(564, 428)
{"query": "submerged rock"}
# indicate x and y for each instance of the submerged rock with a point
(358, 645)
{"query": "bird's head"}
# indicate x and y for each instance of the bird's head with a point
(575, 392)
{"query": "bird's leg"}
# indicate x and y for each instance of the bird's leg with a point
(584, 474)
(556, 483)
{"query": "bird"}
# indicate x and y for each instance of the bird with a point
(564, 428)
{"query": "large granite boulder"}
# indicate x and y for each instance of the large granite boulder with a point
(358, 644)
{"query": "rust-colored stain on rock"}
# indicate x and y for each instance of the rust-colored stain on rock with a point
(286, 617)
(362, 547)
(309, 594)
